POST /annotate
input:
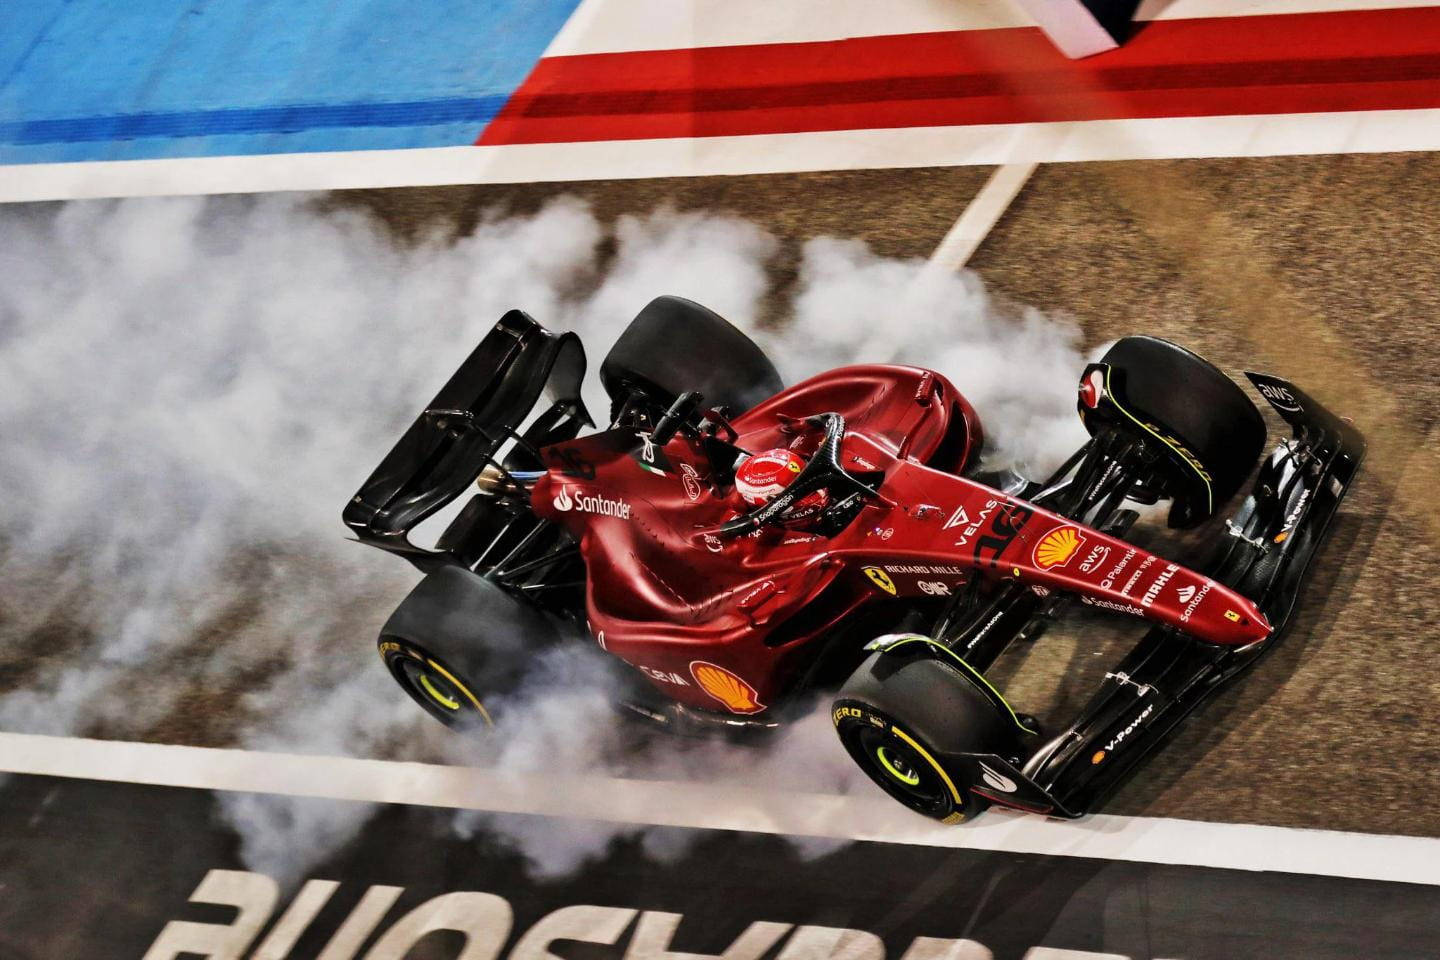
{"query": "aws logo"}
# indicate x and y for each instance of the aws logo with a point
(881, 579)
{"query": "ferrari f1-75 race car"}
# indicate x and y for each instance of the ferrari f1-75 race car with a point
(741, 546)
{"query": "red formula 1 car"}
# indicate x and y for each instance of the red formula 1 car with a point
(739, 544)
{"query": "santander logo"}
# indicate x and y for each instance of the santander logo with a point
(591, 503)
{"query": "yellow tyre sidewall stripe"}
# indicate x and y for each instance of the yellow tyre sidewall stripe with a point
(893, 770)
(950, 784)
(971, 671)
(463, 689)
(436, 695)
(1209, 490)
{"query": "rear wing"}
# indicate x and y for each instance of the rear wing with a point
(480, 409)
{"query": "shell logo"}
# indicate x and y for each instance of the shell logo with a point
(1057, 547)
(737, 695)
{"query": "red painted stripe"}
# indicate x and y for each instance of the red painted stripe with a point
(1297, 63)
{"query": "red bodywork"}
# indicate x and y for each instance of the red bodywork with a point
(728, 624)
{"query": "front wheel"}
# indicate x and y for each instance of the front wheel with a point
(902, 765)
(914, 715)
(1204, 425)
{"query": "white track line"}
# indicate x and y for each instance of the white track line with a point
(726, 807)
(613, 26)
(1243, 136)
(980, 217)
(960, 243)
(1070, 26)
(1191, 9)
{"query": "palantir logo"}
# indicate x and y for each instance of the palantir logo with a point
(562, 501)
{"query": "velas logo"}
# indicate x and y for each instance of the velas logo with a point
(591, 503)
(737, 695)
(1057, 547)
(957, 519)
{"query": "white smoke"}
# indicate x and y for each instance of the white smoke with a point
(1017, 367)
(194, 387)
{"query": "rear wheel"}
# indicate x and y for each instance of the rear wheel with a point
(1202, 423)
(434, 684)
(457, 642)
(675, 345)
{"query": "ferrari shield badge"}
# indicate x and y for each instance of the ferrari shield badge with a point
(881, 579)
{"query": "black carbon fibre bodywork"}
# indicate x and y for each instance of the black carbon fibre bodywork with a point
(1265, 553)
(517, 365)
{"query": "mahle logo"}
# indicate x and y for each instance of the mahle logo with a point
(591, 503)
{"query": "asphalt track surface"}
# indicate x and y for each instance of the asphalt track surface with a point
(1320, 269)
(863, 901)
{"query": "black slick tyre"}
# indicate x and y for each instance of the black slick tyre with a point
(1207, 427)
(675, 345)
(456, 643)
(904, 719)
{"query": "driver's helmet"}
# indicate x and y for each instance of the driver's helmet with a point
(765, 475)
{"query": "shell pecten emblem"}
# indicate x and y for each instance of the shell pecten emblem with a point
(1057, 547)
(737, 695)
(881, 579)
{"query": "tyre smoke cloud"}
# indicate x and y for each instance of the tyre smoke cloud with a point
(195, 386)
